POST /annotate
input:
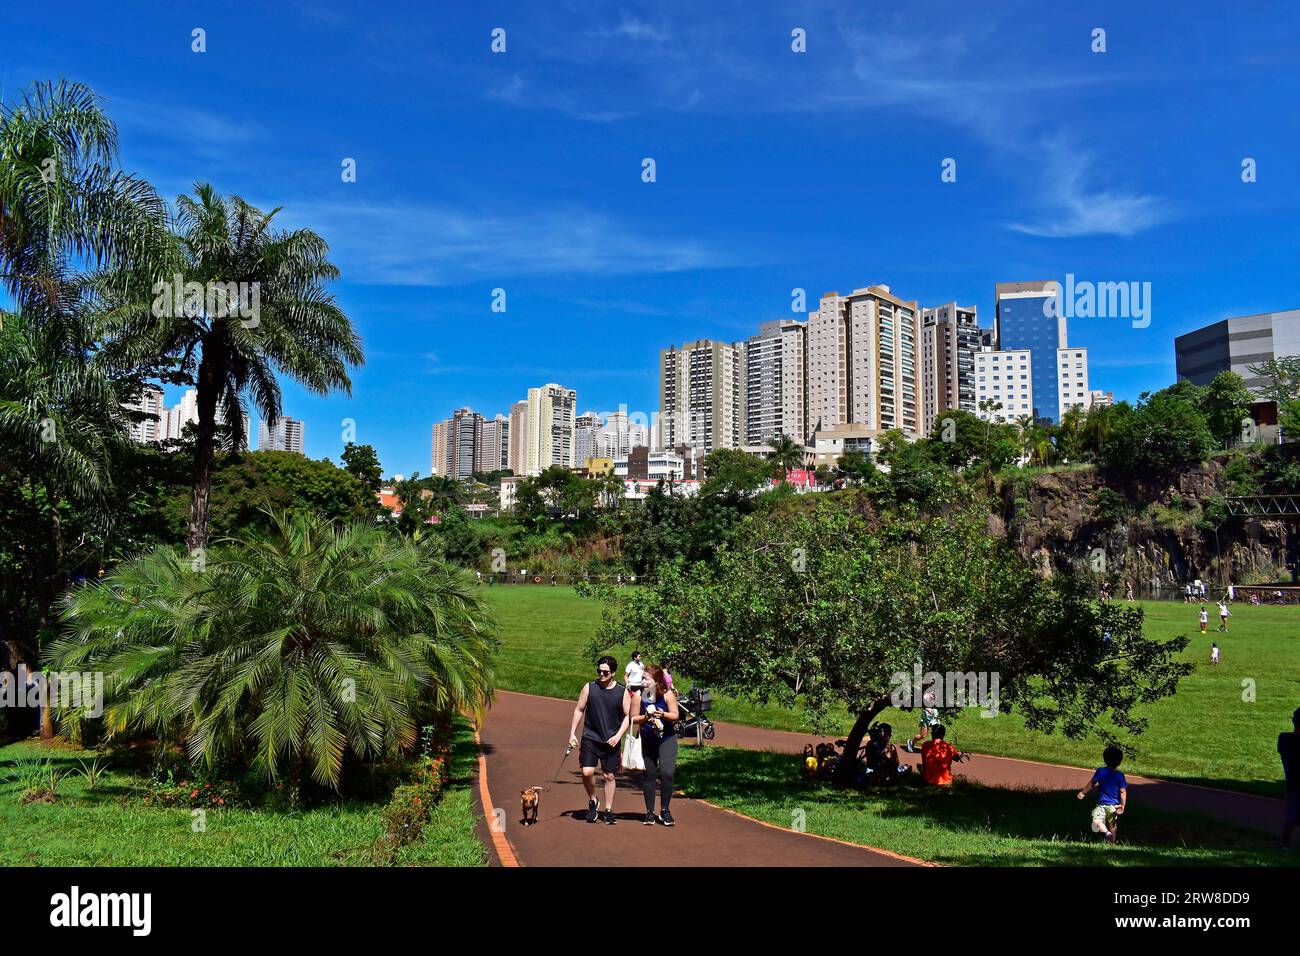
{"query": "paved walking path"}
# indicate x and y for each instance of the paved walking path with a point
(523, 740)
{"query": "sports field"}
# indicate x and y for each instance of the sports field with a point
(1210, 732)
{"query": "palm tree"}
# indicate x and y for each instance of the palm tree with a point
(65, 211)
(444, 492)
(786, 453)
(1097, 427)
(262, 308)
(62, 197)
(293, 652)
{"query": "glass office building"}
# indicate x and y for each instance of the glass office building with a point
(1025, 321)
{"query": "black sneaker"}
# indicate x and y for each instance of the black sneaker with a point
(592, 812)
(650, 820)
(666, 818)
(608, 817)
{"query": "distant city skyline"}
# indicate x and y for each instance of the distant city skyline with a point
(522, 172)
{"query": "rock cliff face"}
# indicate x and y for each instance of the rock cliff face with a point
(1147, 532)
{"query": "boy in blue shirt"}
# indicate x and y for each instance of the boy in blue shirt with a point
(1112, 794)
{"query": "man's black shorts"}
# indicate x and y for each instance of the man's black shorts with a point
(593, 754)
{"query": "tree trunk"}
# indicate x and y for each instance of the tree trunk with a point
(208, 387)
(848, 765)
(53, 588)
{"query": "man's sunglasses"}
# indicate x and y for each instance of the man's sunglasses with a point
(602, 672)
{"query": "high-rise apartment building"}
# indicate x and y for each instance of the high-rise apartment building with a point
(438, 458)
(551, 415)
(1235, 345)
(950, 340)
(620, 434)
(494, 449)
(587, 434)
(464, 438)
(167, 423)
(774, 382)
(863, 364)
(518, 437)
(153, 427)
(287, 434)
(701, 396)
(458, 445)
(1024, 320)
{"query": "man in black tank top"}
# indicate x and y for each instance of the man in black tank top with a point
(603, 709)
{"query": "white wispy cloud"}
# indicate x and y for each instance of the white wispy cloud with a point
(442, 245)
(1073, 204)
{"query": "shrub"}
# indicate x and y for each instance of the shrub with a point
(294, 654)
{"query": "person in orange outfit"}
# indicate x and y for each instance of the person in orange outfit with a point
(937, 756)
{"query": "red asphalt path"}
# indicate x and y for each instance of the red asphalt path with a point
(523, 740)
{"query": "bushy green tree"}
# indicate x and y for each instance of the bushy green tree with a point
(1159, 435)
(1226, 405)
(828, 608)
(733, 471)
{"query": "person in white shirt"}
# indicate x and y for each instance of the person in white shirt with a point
(1223, 617)
(634, 673)
(1205, 618)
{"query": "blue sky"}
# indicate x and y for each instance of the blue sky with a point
(775, 170)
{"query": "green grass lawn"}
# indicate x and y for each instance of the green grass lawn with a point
(1205, 734)
(965, 824)
(111, 826)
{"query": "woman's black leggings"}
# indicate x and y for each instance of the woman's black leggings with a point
(661, 758)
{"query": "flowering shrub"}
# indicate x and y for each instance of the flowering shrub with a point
(167, 788)
(408, 811)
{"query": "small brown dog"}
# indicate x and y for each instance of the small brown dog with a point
(531, 799)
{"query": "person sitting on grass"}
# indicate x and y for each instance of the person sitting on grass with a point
(937, 756)
(882, 756)
(1112, 794)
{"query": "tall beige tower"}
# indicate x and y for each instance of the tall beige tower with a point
(863, 365)
(552, 410)
(701, 396)
(518, 437)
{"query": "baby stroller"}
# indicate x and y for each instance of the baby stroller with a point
(692, 707)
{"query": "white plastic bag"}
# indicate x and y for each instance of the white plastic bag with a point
(632, 759)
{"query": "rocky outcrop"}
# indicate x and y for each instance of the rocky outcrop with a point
(1148, 532)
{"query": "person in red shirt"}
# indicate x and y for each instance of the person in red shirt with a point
(937, 756)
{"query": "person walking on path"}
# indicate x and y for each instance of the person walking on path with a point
(634, 677)
(603, 708)
(1288, 748)
(656, 721)
(1112, 794)
(634, 674)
